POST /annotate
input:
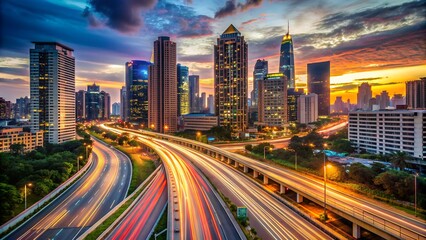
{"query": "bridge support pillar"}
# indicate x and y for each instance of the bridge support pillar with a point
(229, 161)
(265, 180)
(299, 198)
(282, 189)
(245, 169)
(222, 158)
(236, 164)
(356, 231)
(255, 174)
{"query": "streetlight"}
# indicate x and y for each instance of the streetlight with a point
(78, 162)
(264, 151)
(325, 183)
(25, 193)
(166, 128)
(415, 193)
(295, 160)
(152, 125)
(198, 136)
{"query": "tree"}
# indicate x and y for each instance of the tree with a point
(397, 183)
(262, 147)
(17, 148)
(9, 200)
(360, 173)
(248, 147)
(398, 160)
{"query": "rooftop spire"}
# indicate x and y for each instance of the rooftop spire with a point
(231, 29)
(288, 26)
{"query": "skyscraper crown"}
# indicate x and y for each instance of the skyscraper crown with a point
(231, 31)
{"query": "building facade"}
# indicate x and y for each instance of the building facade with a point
(287, 60)
(199, 121)
(231, 80)
(272, 107)
(80, 105)
(364, 95)
(194, 93)
(123, 104)
(162, 112)
(388, 131)
(93, 105)
(22, 108)
(105, 103)
(292, 96)
(52, 91)
(9, 136)
(210, 103)
(5, 109)
(259, 73)
(319, 83)
(115, 109)
(307, 108)
(137, 91)
(416, 94)
(183, 90)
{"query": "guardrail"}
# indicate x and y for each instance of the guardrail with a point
(33, 209)
(381, 223)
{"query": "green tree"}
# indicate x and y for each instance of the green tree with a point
(17, 148)
(260, 148)
(9, 200)
(360, 173)
(399, 159)
(397, 183)
(248, 147)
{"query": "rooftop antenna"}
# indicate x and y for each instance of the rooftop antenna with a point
(288, 26)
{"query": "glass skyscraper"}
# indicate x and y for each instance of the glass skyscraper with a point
(183, 90)
(259, 73)
(137, 91)
(319, 83)
(287, 60)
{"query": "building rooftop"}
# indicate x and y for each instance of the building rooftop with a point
(199, 115)
(54, 43)
(230, 30)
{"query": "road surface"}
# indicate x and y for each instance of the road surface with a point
(91, 197)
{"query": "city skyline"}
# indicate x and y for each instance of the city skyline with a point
(348, 39)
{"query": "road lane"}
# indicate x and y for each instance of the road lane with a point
(92, 196)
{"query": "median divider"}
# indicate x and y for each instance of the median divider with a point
(40, 205)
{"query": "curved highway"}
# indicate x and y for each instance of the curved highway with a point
(91, 197)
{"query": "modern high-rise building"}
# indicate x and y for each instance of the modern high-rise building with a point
(259, 73)
(416, 94)
(115, 109)
(384, 100)
(307, 108)
(105, 105)
(137, 91)
(210, 103)
(319, 83)
(52, 91)
(22, 108)
(194, 93)
(123, 103)
(183, 90)
(292, 96)
(364, 95)
(272, 107)
(80, 105)
(231, 83)
(93, 105)
(339, 105)
(397, 100)
(287, 59)
(5, 109)
(203, 101)
(162, 87)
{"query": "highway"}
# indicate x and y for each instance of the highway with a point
(140, 221)
(197, 212)
(271, 218)
(91, 197)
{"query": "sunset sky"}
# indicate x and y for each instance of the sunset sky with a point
(382, 42)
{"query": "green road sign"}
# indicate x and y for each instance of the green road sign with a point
(241, 212)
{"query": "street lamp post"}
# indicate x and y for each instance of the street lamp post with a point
(325, 185)
(295, 160)
(25, 193)
(415, 194)
(78, 162)
(264, 152)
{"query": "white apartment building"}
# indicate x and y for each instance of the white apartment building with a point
(307, 108)
(52, 91)
(388, 131)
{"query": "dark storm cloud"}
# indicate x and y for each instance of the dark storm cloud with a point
(177, 21)
(231, 7)
(353, 86)
(13, 81)
(367, 79)
(122, 15)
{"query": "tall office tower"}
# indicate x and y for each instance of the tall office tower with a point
(80, 105)
(319, 83)
(52, 90)
(272, 107)
(183, 90)
(339, 105)
(364, 95)
(115, 109)
(307, 110)
(287, 59)
(137, 91)
(210, 104)
(123, 103)
(416, 94)
(259, 73)
(93, 105)
(384, 100)
(5, 109)
(292, 96)
(194, 93)
(22, 108)
(397, 99)
(231, 85)
(203, 101)
(162, 90)
(105, 105)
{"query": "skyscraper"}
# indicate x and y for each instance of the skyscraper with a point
(162, 90)
(259, 73)
(203, 101)
(384, 100)
(105, 105)
(194, 93)
(183, 90)
(231, 85)
(287, 59)
(115, 109)
(210, 104)
(80, 105)
(319, 83)
(22, 108)
(339, 105)
(123, 103)
(307, 110)
(93, 106)
(397, 99)
(416, 94)
(5, 109)
(292, 96)
(272, 107)
(52, 90)
(137, 91)
(364, 95)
